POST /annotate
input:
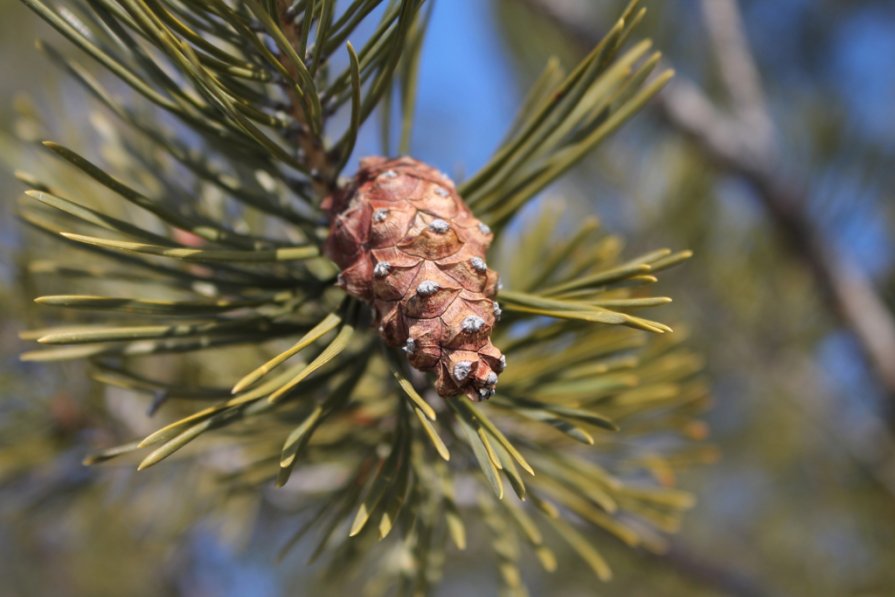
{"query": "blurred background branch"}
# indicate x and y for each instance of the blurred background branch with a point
(741, 142)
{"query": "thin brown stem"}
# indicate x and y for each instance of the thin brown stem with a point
(311, 146)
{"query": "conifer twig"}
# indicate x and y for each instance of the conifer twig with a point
(250, 83)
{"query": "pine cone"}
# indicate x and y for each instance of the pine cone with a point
(409, 246)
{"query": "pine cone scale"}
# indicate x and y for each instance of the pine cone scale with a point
(408, 245)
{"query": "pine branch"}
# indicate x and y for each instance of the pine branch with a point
(208, 235)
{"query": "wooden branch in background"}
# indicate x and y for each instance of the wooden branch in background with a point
(742, 144)
(695, 566)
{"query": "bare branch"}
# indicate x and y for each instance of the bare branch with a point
(743, 145)
(738, 70)
(696, 566)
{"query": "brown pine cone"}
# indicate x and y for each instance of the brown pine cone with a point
(409, 246)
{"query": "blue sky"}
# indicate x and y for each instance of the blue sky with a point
(467, 92)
